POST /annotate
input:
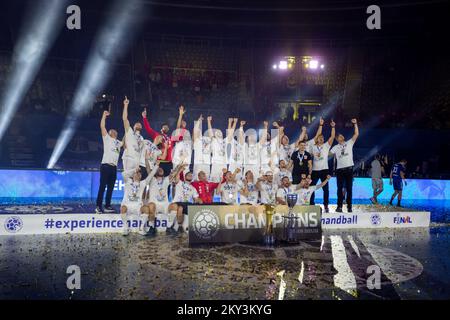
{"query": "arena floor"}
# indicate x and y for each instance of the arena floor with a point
(414, 264)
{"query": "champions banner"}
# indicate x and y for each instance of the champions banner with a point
(244, 223)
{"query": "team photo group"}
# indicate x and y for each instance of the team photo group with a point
(165, 172)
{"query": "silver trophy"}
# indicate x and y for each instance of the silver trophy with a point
(290, 221)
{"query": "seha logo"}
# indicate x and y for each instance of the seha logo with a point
(206, 224)
(402, 220)
(13, 224)
(375, 219)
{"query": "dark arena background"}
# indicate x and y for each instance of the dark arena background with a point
(373, 77)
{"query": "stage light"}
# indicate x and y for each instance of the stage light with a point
(274, 67)
(322, 66)
(36, 37)
(283, 65)
(313, 64)
(110, 43)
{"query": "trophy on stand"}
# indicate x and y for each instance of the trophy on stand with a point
(290, 221)
(269, 236)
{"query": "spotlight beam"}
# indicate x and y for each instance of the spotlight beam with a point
(110, 43)
(37, 35)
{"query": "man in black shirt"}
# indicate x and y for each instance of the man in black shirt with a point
(302, 161)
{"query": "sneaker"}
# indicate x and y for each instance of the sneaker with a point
(180, 229)
(110, 210)
(373, 200)
(170, 230)
(98, 210)
(125, 231)
(142, 232)
(349, 209)
(151, 232)
(327, 210)
(338, 209)
(390, 203)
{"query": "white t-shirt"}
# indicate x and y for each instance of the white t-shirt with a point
(284, 152)
(158, 189)
(252, 196)
(266, 152)
(228, 193)
(304, 195)
(184, 192)
(182, 151)
(133, 190)
(320, 156)
(202, 150)
(251, 154)
(344, 154)
(133, 141)
(237, 153)
(152, 149)
(111, 150)
(219, 155)
(268, 192)
(280, 174)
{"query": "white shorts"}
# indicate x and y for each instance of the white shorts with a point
(161, 207)
(133, 208)
(206, 168)
(216, 172)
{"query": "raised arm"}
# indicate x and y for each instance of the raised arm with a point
(103, 123)
(210, 131)
(319, 130)
(197, 128)
(126, 123)
(264, 133)
(151, 132)
(333, 133)
(302, 135)
(241, 132)
(356, 134)
(181, 112)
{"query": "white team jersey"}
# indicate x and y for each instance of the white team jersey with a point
(111, 150)
(152, 149)
(218, 150)
(133, 190)
(159, 189)
(304, 195)
(182, 152)
(265, 154)
(229, 193)
(284, 152)
(202, 150)
(184, 192)
(133, 141)
(251, 154)
(320, 156)
(237, 153)
(268, 192)
(344, 154)
(280, 174)
(252, 196)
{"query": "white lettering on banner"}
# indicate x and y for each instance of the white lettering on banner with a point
(74, 280)
(374, 280)
(119, 185)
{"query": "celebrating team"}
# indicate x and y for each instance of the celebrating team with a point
(238, 168)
